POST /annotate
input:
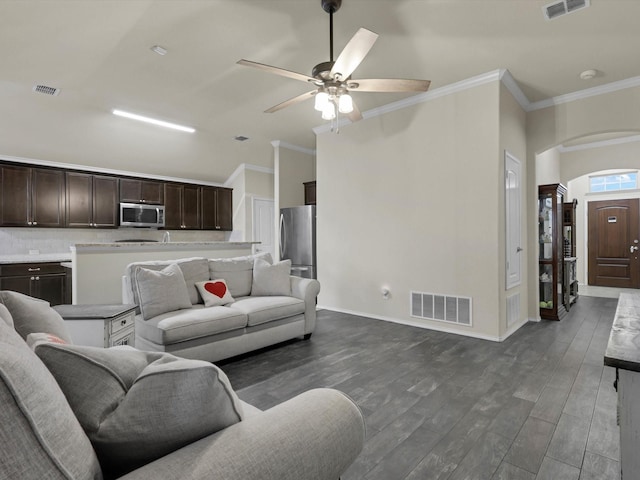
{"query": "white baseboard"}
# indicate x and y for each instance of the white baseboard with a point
(437, 328)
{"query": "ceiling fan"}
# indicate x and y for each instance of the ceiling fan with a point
(332, 80)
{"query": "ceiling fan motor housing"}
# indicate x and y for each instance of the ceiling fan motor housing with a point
(331, 6)
(322, 71)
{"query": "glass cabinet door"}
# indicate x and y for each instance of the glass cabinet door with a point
(551, 251)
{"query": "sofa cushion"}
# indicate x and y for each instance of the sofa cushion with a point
(138, 406)
(39, 434)
(271, 279)
(236, 271)
(194, 269)
(32, 315)
(266, 309)
(161, 291)
(195, 322)
(214, 292)
(5, 315)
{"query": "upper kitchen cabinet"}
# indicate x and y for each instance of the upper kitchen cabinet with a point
(181, 206)
(141, 191)
(92, 200)
(217, 208)
(310, 193)
(31, 197)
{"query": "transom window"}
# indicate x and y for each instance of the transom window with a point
(614, 182)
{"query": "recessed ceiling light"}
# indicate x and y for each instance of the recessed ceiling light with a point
(153, 121)
(588, 74)
(159, 50)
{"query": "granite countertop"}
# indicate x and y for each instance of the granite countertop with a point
(37, 258)
(623, 349)
(163, 244)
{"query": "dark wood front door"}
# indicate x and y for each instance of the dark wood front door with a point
(614, 239)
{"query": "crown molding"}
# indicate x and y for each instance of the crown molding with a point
(291, 146)
(246, 166)
(601, 143)
(586, 93)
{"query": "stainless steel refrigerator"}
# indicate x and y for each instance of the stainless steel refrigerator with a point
(298, 239)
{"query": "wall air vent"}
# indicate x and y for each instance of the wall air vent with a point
(444, 308)
(563, 7)
(46, 90)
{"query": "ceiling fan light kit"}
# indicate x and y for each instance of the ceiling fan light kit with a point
(332, 79)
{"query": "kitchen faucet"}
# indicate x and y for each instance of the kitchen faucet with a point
(166, 237)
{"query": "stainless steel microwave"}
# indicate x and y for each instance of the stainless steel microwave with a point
(141, 215)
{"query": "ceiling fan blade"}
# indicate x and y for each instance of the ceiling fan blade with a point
(353, 53)
(355, 115)
(291, 101)
(388, 85)
(278, 71)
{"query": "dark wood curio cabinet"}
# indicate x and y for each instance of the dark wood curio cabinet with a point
(551, 276)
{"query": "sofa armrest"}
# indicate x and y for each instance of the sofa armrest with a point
(314, 436)
(306, 289)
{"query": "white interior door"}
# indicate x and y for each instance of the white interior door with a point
(264, 226)
(512, 197)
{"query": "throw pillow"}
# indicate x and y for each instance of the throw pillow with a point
(161, 291)
(237, 272)
(214, 292)
(40, 435)
(138, 406)
(33, 315)
(271, 279)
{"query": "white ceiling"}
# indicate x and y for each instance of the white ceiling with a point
(98, 53)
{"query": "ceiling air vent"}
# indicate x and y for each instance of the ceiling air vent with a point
(46, 90)
(563, 7)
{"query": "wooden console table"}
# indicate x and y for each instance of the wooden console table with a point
(99, 325)
(623, 353)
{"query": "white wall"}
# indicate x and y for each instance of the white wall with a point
(513, 140)
(410, 200)
(294, 168)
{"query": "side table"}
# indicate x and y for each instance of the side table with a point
(99, 325)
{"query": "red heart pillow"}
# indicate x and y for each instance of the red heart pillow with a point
(217, 288)
(214, 292)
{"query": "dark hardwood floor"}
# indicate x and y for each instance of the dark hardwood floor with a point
(539, 405)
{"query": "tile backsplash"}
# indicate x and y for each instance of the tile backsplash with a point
(22, 241)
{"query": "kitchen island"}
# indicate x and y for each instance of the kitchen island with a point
(98, 267)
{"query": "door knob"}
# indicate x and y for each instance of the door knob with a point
(633, 248)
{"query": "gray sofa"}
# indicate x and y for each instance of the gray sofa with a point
(268, 305)
(78, 412)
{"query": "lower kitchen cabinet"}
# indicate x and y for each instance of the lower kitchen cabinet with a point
(40, 280)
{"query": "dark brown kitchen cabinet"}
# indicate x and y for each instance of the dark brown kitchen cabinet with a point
(181, 206)
(217, 208)
(31, 197)
(141, 191)
(41, 280)
(310, 193)
(92, 200)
